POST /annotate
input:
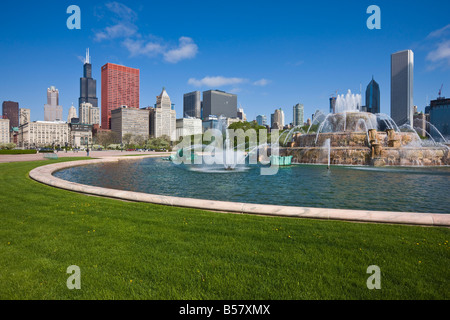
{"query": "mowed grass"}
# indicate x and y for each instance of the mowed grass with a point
(131, 250)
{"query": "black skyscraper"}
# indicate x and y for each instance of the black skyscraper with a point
(219, 103)
(10, 110)
(88, 86)
(373, 97)
(192, 105)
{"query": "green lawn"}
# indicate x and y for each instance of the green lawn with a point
(131, 250)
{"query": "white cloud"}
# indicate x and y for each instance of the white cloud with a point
(442, 52)
(82, 59)
(140, 47)
(218, 81)
(125, 28)
(235, 90)
(439, 33)
(122, 11)
(439, 41)
(187, 49)
(262, 82)
(120, 30)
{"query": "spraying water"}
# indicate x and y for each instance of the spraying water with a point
(327, 146)
(348, 102)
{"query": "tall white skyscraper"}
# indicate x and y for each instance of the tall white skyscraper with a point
(402, 78)
(52, 110)
(72, 114)
(163, 118)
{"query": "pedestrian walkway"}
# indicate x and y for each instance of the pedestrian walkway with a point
(71, 154)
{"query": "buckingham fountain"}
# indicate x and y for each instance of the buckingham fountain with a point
(348, 136)
(353, 137)
(238, 175)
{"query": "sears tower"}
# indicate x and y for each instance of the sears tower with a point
(88, 86)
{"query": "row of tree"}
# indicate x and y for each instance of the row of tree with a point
(130, 141)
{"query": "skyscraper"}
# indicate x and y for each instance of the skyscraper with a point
(10, 110)
(261, 120)
(402, 76)
(120, 86)
(241, 114)
(89, 114)
(373, 97)
(88, 86)
(332, 104)
(130, 121)
(440, 117)
(4, 130)
(278, 119)
(72, 114)
(298, 115)
(52, 110)
(163, 117)
(192, 105)
(24, 116)
(219, 103)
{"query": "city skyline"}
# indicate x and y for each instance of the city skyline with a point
(312, 60)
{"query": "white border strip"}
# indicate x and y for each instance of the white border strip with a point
(44, 174)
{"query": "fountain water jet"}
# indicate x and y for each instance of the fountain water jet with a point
(362, 138)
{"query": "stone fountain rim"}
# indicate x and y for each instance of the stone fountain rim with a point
(44, 174)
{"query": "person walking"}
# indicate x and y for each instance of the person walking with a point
(87, 151)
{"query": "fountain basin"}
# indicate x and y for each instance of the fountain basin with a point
(390, 189)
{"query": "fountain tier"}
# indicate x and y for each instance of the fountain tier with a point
(355, 138)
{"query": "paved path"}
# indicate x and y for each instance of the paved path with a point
(62, 154)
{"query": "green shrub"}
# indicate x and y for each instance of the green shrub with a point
(17, 151)
(7, 146)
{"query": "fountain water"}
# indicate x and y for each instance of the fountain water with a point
(361, 138)
(219, 155)
(350, 137)
(348, 102)
(327, 145)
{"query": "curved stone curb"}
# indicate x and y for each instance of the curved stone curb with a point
(44, 175)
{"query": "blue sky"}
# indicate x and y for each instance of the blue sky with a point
(271, 53)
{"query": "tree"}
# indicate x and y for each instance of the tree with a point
(138, 140)
(127, 138)
(106, 138)
(245, 126)
(8, 146)
(159, 143)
